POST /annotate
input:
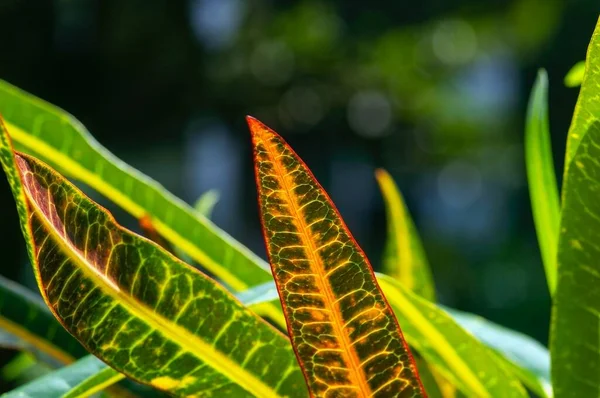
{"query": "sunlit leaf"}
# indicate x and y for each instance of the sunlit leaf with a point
(51, 134)
(404, 257)
(587, 108)
(524, 356)
(344, 332)
(574, 76)
(574, 342)
(542, 180)
(135, 306)
(458, 356)
(207, 202)
(83, 378)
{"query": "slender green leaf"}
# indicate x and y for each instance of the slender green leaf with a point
(346, 337)
(574, 342)
(81, 379)
(206, 203)
(135, 306)
(427, 378)
(574, 76)
(458, 356)
(542, 180)
(404, 257)
(49, 133)
(587, 109)
(527, 358)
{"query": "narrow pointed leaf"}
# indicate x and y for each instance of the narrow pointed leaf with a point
(83, 378)
(574, 342)
(524, 356)
(137, 307)
(587, 108)
(26, 319)
(574, 76)
(404, 257)
(455, 353)
(56, 137)
(344, 332)
(542, 180)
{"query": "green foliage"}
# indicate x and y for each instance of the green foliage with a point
(152, 318)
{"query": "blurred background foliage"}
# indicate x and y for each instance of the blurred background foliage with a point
(433, 91)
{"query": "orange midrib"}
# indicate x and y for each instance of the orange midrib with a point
(357, 373)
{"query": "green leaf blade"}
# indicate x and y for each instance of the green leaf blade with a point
(138, 308)
(542, 180)
(404, 257)
(574, 342)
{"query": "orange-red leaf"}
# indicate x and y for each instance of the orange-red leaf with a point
(343, 330)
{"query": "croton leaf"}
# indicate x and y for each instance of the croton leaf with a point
(344, 332)
(135, 306)
(404, 257)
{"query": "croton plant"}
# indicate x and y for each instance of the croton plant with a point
(126, 315)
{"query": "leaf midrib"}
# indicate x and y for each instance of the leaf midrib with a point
(321, 280)
(187, 341)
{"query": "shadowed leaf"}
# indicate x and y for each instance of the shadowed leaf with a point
(345, 334)
(404, 257)
(135, 306)
(540, 175)
(574, 342)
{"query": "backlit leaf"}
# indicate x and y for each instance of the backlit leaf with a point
(404, 257)
(540, 175)
(135, 306)
(574, 342)
(56, 137)
(345, 334)
(587, 108)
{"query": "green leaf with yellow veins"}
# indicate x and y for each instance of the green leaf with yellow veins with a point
(404, 257)
(135, 306)
(344, 332)
(574, 343)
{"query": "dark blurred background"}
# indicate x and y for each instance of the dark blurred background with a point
(434, 91)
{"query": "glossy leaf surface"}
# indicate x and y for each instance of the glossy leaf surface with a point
(80, 379)
(137, 307)
(587, 108)
(574, 342)
(404, 257)
(541, 178)
(345, 334)
(51, 134)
